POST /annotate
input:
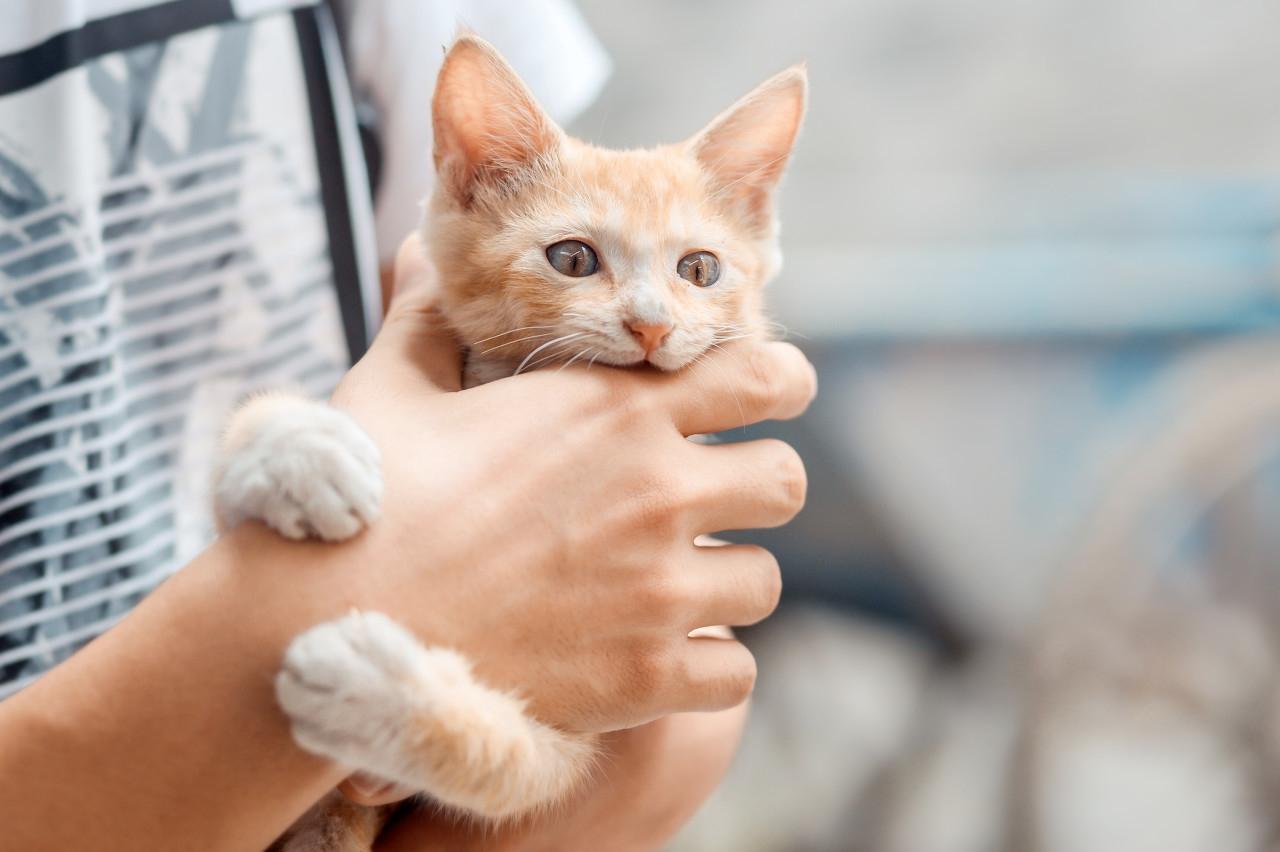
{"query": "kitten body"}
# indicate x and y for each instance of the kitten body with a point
(511, 187)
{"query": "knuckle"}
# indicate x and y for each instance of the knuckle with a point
(658, 501)
(764, 382)
(804, 371)
(626, 405)
(811, 383)
(661, 598)
(624, 400)
(740, 683)
(646, 674)
(606, 394)
(770, 583)
(679, 489)
(792, 479)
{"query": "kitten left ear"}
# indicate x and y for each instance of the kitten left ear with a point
(487, 125)
(745, 149)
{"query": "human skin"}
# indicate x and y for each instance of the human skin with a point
(567, 574)
(651, 781)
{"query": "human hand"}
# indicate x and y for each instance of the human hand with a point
(544, 525)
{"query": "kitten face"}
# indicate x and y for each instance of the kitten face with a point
(639, 213)
(551, 250)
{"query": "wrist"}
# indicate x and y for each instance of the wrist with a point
(175, 701)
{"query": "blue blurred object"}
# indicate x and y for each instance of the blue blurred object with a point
(1123, 257)
(987, 397)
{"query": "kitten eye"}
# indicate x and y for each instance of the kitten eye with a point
(700, 268)
(573, 258)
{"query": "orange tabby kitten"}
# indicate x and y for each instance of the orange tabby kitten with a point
(551, 251)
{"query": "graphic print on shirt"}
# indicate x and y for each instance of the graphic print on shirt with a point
(163, 251)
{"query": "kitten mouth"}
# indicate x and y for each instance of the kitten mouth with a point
(658, 360)
(629, 361)
(667, 365)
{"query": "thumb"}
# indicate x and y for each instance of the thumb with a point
(414, 331)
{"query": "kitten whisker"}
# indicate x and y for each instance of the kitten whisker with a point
(782, 332)
(562, 339)
(736, 401)
(512, 331)
(549, 357)
(575, 358)
(520, 340)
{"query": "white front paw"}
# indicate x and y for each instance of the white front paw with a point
(307, 471)
(349, 690)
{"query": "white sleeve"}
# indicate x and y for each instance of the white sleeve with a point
(396, 48)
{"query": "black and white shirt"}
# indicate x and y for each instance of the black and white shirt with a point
(184, 218)
(178, 183)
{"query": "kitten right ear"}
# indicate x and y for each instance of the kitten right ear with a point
(486, 123)
(745, 149)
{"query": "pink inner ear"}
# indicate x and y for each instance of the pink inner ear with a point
(487, 124)
(745, 149)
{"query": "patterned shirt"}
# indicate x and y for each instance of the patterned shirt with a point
(184, 217)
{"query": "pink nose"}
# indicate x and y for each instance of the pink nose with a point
(649, 335)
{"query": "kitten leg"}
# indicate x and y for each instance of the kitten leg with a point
(365, 693)
(300, 466)
(335, 825)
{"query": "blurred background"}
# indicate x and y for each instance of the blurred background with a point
(1032, 247)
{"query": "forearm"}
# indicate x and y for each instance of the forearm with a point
(163, 733)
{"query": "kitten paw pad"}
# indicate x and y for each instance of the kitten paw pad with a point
(310, 472)
(349, 688)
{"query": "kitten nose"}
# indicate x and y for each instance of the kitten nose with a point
(649, 335)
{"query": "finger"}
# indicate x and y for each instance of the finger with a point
(414, 332)
(738, 385)
(736, 584)
(716, 674)
(413, 277)
(749, 485)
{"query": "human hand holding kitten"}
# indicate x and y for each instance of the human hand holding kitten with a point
(572, 254)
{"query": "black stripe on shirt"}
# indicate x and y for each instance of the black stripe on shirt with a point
(315, 30)
(102, 36)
